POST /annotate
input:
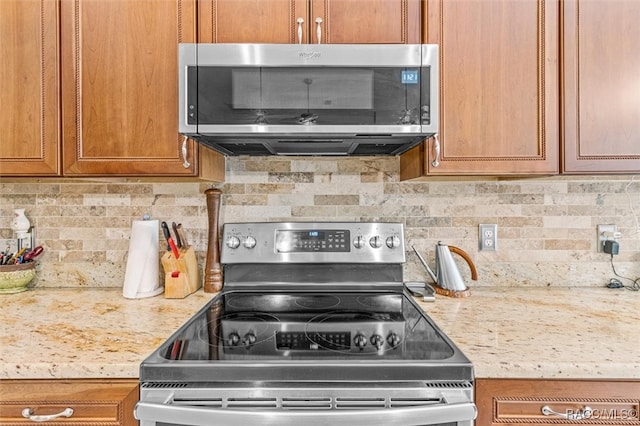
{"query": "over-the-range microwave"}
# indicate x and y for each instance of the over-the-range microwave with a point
(279, 99)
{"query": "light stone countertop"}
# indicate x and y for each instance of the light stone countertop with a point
(506, 332)
(545, 332)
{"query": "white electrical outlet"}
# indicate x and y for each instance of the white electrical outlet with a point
(488, 237)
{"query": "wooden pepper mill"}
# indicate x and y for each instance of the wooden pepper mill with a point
(213, 269)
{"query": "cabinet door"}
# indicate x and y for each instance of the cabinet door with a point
(336, 21)
(521, 402)
(499, 99)
(29, 88)
(106, 402)
(366, 21)
(120, 87)
(252, 21)
(601, 86)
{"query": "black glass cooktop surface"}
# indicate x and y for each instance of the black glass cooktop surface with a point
(305, 326)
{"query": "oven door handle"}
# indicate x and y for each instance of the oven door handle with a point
(149, 413)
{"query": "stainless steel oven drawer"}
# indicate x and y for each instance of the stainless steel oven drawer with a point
(294, 404)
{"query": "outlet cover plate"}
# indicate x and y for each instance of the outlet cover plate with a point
(488, 237)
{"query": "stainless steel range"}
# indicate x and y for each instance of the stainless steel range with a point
(313, 327)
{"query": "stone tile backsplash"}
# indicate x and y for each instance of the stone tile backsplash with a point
(546, 226)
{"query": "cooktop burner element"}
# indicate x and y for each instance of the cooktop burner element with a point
(309, 303)
(318, 302)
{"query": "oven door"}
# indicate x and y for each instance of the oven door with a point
(296, 405)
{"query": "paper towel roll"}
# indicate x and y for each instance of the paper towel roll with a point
(141, 278)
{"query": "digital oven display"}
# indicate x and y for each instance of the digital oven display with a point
(303, 341)
(310, 240)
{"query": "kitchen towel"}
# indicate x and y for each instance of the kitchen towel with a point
(142, 278)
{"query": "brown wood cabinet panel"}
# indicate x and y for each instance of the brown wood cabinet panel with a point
(29, 88)
(343, 21)
(601, 86)
(367, 21)
(251, 21)
(93, 401)
(119, 83)
(499, 88)
(519, 402)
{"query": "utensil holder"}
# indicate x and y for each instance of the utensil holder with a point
(181, 276)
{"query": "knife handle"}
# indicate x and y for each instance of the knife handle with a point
(174, 249)
(178, 240)
(167, 234)
(180, 234)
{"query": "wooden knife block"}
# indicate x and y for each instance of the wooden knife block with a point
(181, 276)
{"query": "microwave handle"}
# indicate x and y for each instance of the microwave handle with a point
(319, 29)
(149, 413)
(300, 21)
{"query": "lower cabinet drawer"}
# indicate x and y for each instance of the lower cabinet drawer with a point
(69, 411)
(59, 402)
(558, 402)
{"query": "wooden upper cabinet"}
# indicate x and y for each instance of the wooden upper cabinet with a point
(601, 86)
(120, 87)
(251, 21)
(499, 89)
(29, 88)
(366, 21)
(337, 21)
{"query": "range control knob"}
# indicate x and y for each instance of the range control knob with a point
(393, 242)
(358, 242)
(249, 242)
(377, 341)
(248, 339)
(375, 242)
(233, 339)
(393, 339)
(233, 242)
(360, 341)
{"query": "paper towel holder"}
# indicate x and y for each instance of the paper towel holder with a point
(142, 282)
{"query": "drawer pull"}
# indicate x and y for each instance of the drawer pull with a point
(585, 413)
(28, 413)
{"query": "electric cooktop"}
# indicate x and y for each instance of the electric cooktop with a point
(307, 325)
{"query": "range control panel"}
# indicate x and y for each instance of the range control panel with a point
(313, 242)
(290, 241)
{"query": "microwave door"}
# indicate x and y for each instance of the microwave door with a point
(306, 100)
